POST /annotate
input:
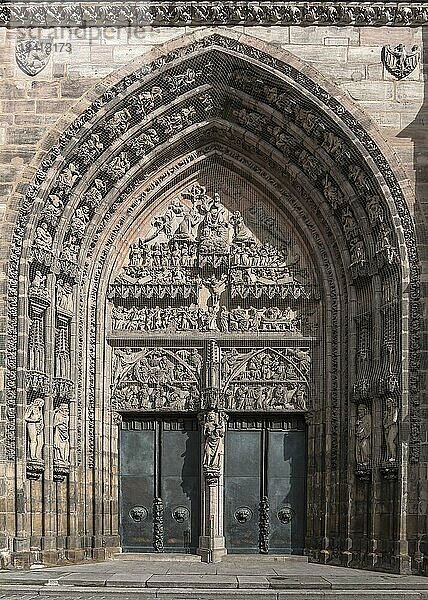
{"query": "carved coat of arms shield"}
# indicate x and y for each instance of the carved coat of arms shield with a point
(32, 56)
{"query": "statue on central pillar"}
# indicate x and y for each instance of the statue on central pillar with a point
(214, 429)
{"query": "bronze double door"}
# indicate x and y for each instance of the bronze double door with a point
(160, 484)
(264, 484)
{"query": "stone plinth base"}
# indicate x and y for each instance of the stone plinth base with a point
(211, 549)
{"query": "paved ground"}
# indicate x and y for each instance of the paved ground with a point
(238, 579)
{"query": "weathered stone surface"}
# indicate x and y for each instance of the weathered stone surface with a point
(349, 56)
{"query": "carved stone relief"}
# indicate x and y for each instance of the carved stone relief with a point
(156, 379)
(34, 419)
(266, 380)
(202, 257)
(398, 61)
(61, 434)
(297, 13)
(390, 428)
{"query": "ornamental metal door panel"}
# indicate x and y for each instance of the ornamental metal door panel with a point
(159, 476)
(286, 476)
(265, 469)
(180, 483)
(137, 484)
(242, 490)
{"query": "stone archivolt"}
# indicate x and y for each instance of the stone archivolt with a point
(289, 137)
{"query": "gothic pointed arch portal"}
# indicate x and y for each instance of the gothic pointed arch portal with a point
(220, 235)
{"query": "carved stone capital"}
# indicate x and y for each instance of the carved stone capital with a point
(35, 469)
(61, 470)
(363, 472)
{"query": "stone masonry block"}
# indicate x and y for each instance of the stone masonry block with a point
(44, 89)
(125, 54)
(380, 36)
(25, 135)
(410, 90)
(367, 54)
(319, 54)
(74, 88)
(336, 41)
(51, 106)
(317, 35)
(101, 54)
(365, 90)
(273, 35)
(17, 106)
(94, 71)
(12, 91)
(148, 36)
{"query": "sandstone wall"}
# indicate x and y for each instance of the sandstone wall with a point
(348, 56)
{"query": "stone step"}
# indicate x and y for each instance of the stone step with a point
(157, 557)
(91, 593)
(265, 558)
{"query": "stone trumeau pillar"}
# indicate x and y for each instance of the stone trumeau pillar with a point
(213, 426)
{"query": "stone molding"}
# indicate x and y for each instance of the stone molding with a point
(173, 14)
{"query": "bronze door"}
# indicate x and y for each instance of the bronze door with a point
(160, 484)
(265, 473)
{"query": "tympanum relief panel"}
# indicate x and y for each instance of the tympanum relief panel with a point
(204, 279)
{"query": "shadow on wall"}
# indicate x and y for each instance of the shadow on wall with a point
(417, 131)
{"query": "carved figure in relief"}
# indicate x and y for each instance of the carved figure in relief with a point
(145, 101)
(68, 177)
(241, 231)
(53, 209)
(363, 432)
(61, 434)
(64, 295)
(80, 220)
(90, 149)
(357, 251)
(214, 429)
(119, 123)
(38, 285)
(43, 238)
(332, 193)
(385, 247)
(390, 428)
(35, 428)
(70, 249)
(375, 210)
(118, 166)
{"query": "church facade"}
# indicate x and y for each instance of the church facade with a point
(214, 281)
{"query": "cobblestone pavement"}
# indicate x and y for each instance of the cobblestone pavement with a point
(142, 579)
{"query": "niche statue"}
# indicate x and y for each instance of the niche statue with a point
(214, 428)
(35, 429)
(363, 431)
(390, 429)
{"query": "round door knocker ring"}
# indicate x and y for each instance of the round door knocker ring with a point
(181, 514)
(243, 514)
(285, 515)
(138, 513)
